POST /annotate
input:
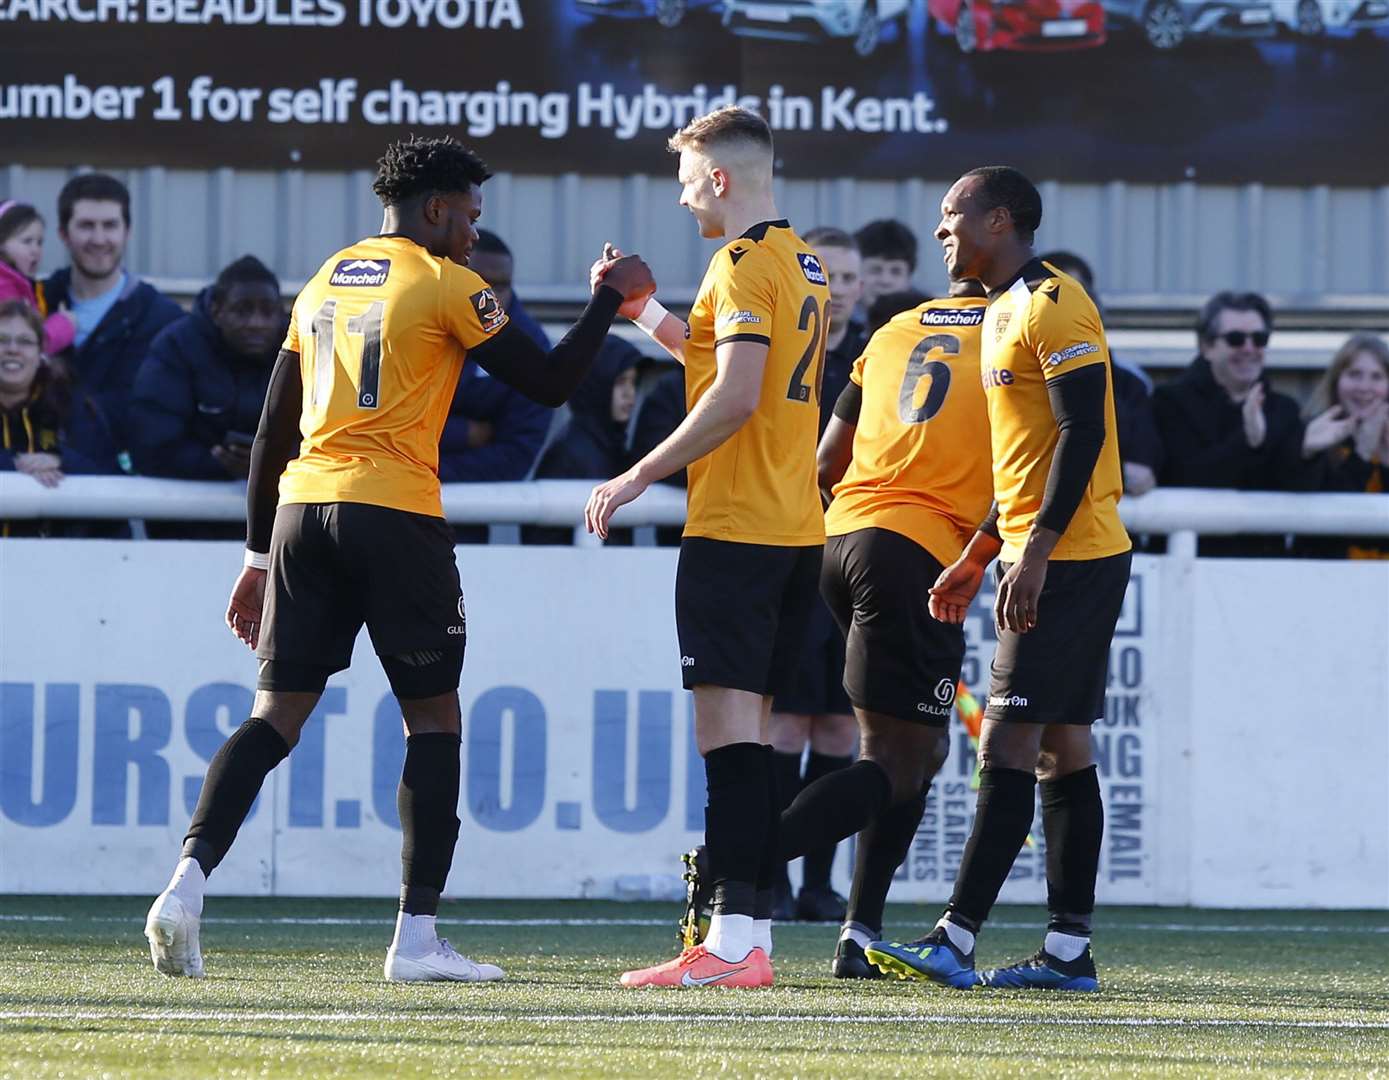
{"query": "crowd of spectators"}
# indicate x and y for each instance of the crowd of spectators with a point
(101, 373)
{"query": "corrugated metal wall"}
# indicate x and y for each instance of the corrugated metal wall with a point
(1159, 246)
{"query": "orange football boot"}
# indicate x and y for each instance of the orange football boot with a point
(699, 967)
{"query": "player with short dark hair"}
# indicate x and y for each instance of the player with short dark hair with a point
(753, 351)
(1063, 571)
(360, 390)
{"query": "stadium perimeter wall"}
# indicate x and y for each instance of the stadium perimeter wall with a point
(1242, 753)
(1152, 245)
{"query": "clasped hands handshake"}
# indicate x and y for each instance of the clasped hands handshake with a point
(628, 274)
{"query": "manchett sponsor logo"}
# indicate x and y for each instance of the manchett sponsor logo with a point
(810, 266)
(1085, 348)
(687, 661)
(969, 317)
(1013, 699)
(360, 273)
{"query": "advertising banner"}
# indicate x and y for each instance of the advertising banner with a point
(579, 775)
(1274, 91)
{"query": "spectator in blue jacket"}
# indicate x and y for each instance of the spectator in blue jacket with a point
(493, 433)
(117, 314)
(199, 393)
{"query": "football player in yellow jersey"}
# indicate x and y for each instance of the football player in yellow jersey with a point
(754, 533)
(348, 447)
(907, 458)
(1063, 571)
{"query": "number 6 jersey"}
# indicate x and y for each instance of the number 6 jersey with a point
(921, 448)
(759, 486)
(381, 331)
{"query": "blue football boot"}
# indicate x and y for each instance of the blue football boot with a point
(1045, 972)
(933, 958)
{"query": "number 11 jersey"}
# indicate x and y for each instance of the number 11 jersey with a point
(759, 486)
(381, 331)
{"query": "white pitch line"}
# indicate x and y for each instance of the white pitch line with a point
(330, 920)
(191, 1016)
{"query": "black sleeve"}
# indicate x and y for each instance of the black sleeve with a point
(277, 441)
(989, 526)
(1077, 402)
(550, 378)
(849, 403)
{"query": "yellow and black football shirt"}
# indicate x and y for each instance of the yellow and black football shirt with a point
(1041, 326)
(759, 486)
(920, 465)
(381, 331)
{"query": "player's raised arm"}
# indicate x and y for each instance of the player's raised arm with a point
(276, 442)
(550, 378)
(667, 330)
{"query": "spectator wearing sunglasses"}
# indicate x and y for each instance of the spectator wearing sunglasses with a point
(1222, 425)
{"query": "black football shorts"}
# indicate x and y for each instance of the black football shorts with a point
(337, 566)
(899, 660)
(742, 611)
(1055, 673)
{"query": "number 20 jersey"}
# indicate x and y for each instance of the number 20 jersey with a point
(920, 466)
(381, 331)
(759, 486)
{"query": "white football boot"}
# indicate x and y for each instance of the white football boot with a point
(172, 923)
(442, 963)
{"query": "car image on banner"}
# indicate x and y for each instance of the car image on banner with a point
(1168, 23)
(1020, 25)
(1312, 18)
(665, 12)
(862, 20)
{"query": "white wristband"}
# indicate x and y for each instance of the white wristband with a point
(257, 560)
(651, 316)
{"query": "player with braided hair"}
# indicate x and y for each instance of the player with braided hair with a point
(345, 525)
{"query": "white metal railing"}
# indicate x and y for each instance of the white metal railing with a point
(1181, 513)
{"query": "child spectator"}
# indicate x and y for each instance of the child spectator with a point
(593, 444)
(1348, 431)
(21, 251)
(888, 249)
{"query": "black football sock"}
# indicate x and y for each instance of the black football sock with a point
(234, 778)
(735, 823)
(834, 807)
(427, 801)
(771, 867)
(1002, 820)
(1073, 822)
(786, 775)
(819, 860)
(881, 848)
